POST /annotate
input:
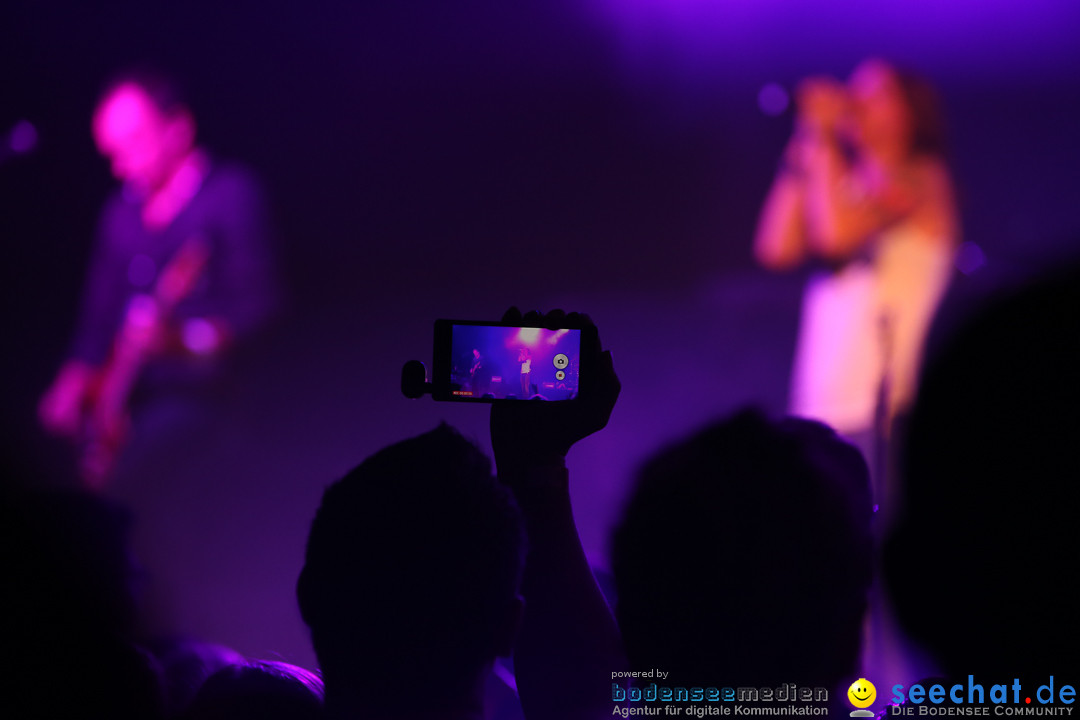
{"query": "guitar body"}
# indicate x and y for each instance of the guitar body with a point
(106, 421)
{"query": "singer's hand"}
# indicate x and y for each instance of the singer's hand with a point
(822, 102)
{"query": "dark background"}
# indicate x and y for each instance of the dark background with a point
(437, 158)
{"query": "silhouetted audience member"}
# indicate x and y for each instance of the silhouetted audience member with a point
(185, 664)
(410, 582)
(569, 643)
(258, 690)
(982, 566)
(70, 612)
(416, 558)
(744, 557)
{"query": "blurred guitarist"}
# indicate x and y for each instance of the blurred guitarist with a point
(181, 269)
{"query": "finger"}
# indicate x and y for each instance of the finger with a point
(808, 86)
(555, 319)
(606, 378)
(589, 330)
(609, 389)
(578, 320)
(590, 340)
(608, 365)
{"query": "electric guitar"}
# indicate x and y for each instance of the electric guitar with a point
(105, 412)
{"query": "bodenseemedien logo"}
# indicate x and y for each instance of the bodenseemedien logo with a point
(631, 699)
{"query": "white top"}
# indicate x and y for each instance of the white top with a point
(866, 324)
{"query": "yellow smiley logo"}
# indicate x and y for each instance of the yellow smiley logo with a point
(862, 693)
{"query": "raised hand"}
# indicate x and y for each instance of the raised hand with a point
(538, 432)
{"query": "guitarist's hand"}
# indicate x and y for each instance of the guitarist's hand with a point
(105, 434)
(61, 407)
(144, 329)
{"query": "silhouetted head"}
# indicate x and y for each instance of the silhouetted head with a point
(981, 566)
(144, 128)
(411, 574)
(67, 560)
(186, 663)
(69, 611)
(895, 111)
(744, 556)
(258, 690)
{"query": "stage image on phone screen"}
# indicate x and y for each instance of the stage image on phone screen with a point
(499, 363)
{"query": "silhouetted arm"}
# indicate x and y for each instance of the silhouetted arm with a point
(569, 643)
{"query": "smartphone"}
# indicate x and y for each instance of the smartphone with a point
(494, 362)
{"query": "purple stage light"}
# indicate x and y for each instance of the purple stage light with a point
(773, 99)
(963, 38)
(200, 336)
(554, 338)
(969, 258)
(525, 336)
(23, 137)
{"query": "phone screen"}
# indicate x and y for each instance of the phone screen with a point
(487, 362)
